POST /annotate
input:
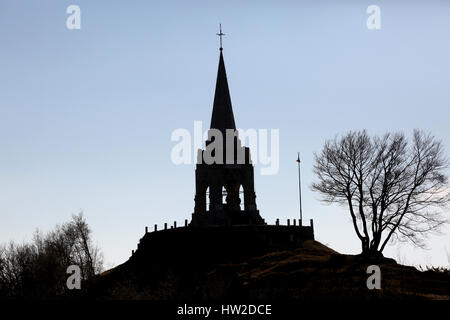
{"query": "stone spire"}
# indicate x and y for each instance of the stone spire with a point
(222, 115)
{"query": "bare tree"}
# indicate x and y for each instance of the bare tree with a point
(393, 188)
(87, 255)
(38, 269)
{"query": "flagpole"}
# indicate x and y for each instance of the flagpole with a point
(299, 190)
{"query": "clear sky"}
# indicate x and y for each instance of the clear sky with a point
(86, 115)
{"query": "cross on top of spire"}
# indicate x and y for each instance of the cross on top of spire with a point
(220, 34)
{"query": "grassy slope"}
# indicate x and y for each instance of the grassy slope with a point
(312, 271)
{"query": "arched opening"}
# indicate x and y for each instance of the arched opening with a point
(224, 195)
(207, 198)
(201, 197)
(241, 197)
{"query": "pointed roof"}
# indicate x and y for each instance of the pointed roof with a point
(222, 115)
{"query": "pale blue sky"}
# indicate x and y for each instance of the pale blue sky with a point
(86, 115)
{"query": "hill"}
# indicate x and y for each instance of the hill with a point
(307, 271)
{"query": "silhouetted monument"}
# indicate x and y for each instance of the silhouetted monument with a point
(225, 229)
(225, 177)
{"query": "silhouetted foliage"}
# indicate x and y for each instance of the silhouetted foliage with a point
(394, 189)
(38, 269)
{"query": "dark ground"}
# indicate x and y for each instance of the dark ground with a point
(311, 271)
